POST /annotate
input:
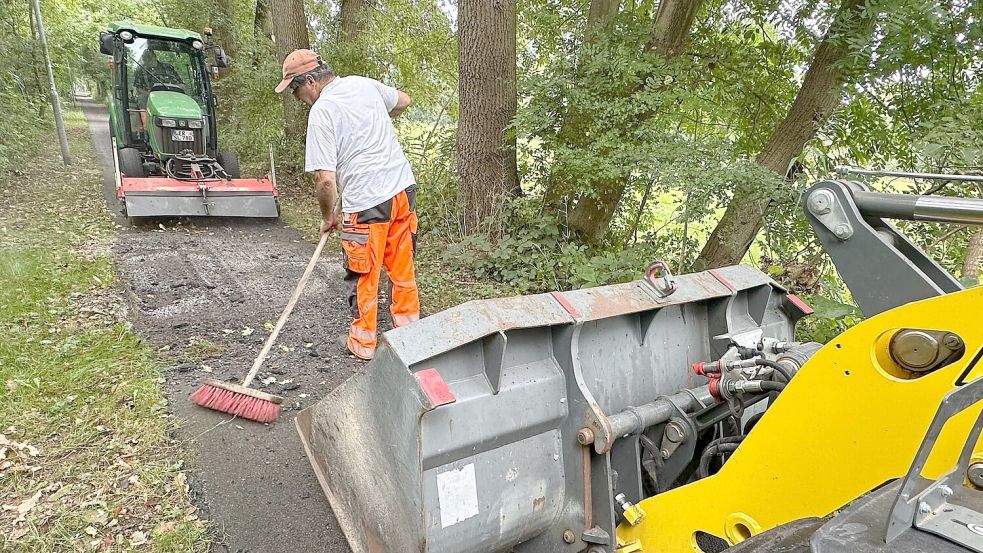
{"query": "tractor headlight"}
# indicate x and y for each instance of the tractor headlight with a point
(197, 44)
(195, 124)
(166, 122)
(127, 36)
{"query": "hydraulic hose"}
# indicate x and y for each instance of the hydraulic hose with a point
(753, 420)
(778, 367)
(717, 447)
(771, 386)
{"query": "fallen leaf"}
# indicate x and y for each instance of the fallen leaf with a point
(247, 331)
(165, 527)
(181, 481)
(24, 507)
(138, 538)
(11, 385)
(91, 530)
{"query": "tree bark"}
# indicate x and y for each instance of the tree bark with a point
(673, 21)
(290, 33)
(813, 106)
(224, 27)
(487, 90)
(354, 17)
(34, 57)
(973, 257)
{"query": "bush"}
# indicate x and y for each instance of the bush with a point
(20, 127)
(538, 255)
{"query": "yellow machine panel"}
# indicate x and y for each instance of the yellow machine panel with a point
(851, 420)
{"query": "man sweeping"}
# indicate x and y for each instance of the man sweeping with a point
(352, 146)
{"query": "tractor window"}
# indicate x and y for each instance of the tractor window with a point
(155, 64)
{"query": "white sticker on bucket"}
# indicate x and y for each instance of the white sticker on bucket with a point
(457, 495)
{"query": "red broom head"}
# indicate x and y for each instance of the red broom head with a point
(238, 400)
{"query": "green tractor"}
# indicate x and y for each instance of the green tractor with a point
(162, 120)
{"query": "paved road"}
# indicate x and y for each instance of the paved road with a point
(197, 288)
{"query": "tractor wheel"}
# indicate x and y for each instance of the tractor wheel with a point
(131, 163)
(229, 162)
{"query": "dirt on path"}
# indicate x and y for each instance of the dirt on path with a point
(202, 291)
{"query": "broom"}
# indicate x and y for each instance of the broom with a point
(241, 400)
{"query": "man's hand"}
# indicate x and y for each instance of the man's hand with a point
(327, 200)
(329, 223)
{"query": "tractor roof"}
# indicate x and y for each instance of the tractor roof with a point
(154, 31)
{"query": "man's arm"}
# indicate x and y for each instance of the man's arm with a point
(402, 102)
(327, 198)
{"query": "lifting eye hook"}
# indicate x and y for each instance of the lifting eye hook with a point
(660, 277)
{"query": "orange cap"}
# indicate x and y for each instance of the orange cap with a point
(297, 63)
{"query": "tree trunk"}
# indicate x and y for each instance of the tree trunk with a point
(263, 19)
(354, 17)
(224, 24)
(813, 106)
(571, 131)
(673, 21)
(36, 63)
(671, 27)
(290, 33)
(973, 258)
(487, 90)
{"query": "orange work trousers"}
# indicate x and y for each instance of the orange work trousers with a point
(384, 235)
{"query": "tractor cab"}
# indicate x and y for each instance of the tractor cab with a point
(162, 119)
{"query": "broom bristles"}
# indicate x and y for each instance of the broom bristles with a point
(240, 403)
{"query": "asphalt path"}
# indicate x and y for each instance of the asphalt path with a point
(202, 290)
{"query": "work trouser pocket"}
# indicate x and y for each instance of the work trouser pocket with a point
(355, 247)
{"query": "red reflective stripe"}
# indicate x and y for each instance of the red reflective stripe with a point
(565, 303)
(723, 280)
(803, 306)
(434, 387)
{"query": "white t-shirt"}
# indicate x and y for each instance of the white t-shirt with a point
(349, 131)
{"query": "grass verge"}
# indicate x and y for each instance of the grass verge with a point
(86, 457)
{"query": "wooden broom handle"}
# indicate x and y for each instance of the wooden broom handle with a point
(286, 312)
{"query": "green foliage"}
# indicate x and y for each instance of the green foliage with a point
(537, 254)
(830, 319)
(595, 105)
(20, 126)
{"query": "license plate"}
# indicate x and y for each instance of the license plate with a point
(183, 136)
